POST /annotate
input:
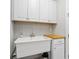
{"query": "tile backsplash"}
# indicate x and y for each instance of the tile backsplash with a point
(26, 29)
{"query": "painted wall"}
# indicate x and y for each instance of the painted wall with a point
(60, 28)
(26, 29)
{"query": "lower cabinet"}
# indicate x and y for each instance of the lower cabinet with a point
(32, 48)
(57, 49)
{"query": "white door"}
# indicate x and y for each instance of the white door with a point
(51, 10)
(44, 10)
(20, 9)
(58, 51)
(33, 9)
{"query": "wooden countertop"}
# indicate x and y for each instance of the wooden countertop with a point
(54, 36)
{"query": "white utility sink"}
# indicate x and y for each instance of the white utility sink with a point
(31, 39)
(28, 46)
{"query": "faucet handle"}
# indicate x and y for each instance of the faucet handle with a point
(32, 35)
(21, 35)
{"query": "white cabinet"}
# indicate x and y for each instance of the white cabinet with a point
(58, 49)
(37, 10)
(44, 10)
(48, 10)
(33, 9)
(26, 9)
(51, 10)
(20, 9)
(32, 48)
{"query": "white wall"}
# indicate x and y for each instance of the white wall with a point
(26, 29)
(60, 28)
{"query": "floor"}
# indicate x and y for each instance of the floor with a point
(32, 57)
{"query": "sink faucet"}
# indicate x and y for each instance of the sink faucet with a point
(32, 35)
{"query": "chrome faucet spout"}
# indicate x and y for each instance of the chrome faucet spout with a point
(32, 35)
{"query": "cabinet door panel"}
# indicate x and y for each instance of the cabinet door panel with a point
(44, 9)
(20, 8)
(32, 48)
(52, 10)
(58, 51)
(33, 9)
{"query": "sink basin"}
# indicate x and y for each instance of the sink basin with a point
(31, 39)
(28, 46)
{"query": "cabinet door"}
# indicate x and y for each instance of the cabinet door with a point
(33, 9)
(58, 51)
(51, 10)
(32, 48)
(20, 9)
(43, 9)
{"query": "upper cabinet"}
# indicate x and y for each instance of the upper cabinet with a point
(20, 9)
(34, 10)
(48, 10)
(44, 10)
(52, 10)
